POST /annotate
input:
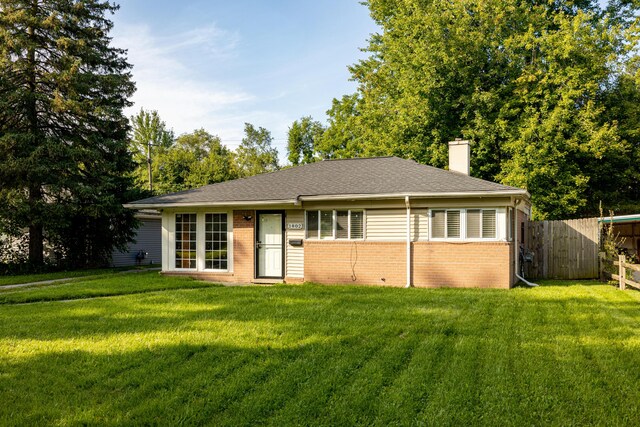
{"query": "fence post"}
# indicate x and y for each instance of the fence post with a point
(622, 272)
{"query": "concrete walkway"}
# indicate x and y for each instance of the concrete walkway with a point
(71, 279)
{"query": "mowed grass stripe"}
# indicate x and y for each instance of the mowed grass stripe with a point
(103, 286)
(313, 377)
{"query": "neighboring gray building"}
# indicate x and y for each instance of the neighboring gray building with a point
(148, 240)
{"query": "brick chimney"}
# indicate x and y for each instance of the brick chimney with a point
(459, 154)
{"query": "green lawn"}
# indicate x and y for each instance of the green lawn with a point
(558, 354)
(28, 278)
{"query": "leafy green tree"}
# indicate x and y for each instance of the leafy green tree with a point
(526, 81)
(255, 154)
(343, 138)
(149, 137)
(64, 163)
(302, 139)
(196, 159)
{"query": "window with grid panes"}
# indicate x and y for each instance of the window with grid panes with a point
(185, 240)
(216, 241)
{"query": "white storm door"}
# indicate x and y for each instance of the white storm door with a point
(269, 244)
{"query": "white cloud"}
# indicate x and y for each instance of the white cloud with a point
(166, 82)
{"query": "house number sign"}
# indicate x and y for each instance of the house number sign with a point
(294, 226)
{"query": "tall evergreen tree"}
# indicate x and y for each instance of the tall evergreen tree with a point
(528, 81)
(64, 163)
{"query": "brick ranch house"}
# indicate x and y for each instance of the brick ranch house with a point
(384, 221)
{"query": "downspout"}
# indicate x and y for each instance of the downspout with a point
(516, 248)
(406, 202)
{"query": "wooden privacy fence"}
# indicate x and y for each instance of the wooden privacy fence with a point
(621, 277)
(566, 249)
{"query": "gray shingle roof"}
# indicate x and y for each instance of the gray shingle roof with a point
(366, 176)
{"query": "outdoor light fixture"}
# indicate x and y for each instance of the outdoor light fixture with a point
(247, 217)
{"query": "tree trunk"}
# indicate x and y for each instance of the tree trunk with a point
(36, 246)
(36, 235)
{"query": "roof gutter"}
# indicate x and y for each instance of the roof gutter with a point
(516, 247)
(415, 195)
(619, 219)
(331, 197)
(293, 202)
(408, 205)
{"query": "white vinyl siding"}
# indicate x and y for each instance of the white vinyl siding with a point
(294, 261)
(391, 224)
(386, 224)
(419, 224)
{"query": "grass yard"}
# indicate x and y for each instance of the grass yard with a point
(28, 278)
(175, 351)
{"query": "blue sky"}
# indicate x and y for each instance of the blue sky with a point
(219, 64)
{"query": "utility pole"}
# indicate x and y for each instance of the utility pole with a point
(149, 165)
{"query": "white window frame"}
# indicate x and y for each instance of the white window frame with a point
(482, 239)
(204, 242)
(175, 239)
(463, 226)
(334, 226)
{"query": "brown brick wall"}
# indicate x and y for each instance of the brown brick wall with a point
(243, 246)
(434, 264)
(381, 263)
(464, 265)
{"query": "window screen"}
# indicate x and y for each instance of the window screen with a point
(357, 225)
(473, 223)
(312, 224)
(342, 224)
(437, 224)
(216, 241)
(185, 240)
(489, 224)
(345, 224)
(326, 224)
(453, 224)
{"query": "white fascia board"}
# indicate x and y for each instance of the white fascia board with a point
(416, 195)
(296, 202)
(208, 204)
